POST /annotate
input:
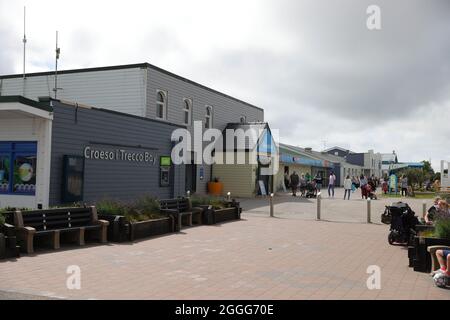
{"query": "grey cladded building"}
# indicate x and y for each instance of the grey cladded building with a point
(54, 152)
(144, 91)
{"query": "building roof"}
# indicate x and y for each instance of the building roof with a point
(26, 101)
(129, 66)
(389, 157)
(46, 105)
(338, 148)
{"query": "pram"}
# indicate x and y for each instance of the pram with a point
(402, 220)
(311, 189)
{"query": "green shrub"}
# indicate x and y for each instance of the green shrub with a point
(445, 196)
(442, 228)
(215, 202)
(145, 208)
(2, 219)
(111, 207)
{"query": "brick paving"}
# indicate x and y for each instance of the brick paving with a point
(285, 257)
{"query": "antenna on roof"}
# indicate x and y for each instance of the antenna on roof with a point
(24, 40)
(58, 51)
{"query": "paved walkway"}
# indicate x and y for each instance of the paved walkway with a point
(332, 209)
(256, 258)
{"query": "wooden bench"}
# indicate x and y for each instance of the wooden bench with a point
(181, 209)
(69, 223)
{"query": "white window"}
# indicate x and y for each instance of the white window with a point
(161, 104)
(187, 111)
(208, 117)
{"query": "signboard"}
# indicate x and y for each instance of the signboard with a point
(393, 183)
(165, 161)
(262, 188)
(92, 153)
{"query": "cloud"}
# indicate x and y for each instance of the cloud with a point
(313, 65)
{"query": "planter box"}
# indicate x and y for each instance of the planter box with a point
(418, 255)
(213, 216)
(121, 230)
(8, 242)
(149, 228)
(118, 229)
(2, 246)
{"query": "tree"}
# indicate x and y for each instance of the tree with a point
(416, 177)
(427, 168)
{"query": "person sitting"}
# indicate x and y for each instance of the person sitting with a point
(429, 215)
(443, 257)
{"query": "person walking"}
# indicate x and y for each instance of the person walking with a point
(404, 185)
(331, 181)
(362, 184)
(302, 185)
(295, 179)
(318, 180)
(348, 187)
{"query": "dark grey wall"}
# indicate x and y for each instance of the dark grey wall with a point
(74, 129)
(340, 153)
(356, 159)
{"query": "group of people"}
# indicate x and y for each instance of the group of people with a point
(368, 186)
(304, 183)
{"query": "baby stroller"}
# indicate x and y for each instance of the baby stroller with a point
(310, 190)
(402, 220)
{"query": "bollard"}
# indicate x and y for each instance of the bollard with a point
(319, 198)
(229, 196)
(188, 194)
(424, 208)
(368, 211)
(271, 204)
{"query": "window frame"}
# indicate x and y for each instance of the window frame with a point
(163, 104)
(187, 102)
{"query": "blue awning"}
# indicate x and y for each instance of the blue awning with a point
(289, 158)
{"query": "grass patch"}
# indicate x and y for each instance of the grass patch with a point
(417, 196)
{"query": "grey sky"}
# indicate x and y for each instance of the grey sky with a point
(314, 67)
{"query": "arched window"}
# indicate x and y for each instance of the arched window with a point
(187, 110)
(161, 105)
(208, 117)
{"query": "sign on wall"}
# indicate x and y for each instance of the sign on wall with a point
(92, 153)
